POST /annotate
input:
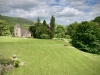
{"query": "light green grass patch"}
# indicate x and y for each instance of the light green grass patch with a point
(49, 57)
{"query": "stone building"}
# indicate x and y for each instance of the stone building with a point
(19, 32)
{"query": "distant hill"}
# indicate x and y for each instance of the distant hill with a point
(16, 20)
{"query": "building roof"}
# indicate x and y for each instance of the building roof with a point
(24, 31)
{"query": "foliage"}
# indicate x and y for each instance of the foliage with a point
(4, 28)
(71, 28)
(6, 64)
(40, 28)
(41, 31)
(87, 37)
(44, 23)
(50, 32)
(66, 31)
(67, 37)
(45, 36)
(5, 60)
(60, 35)
(97, 19)
(60, 31)
(13, 20)
(52, 24)
(38, 32)
(0, 30)
(3, 72)
(37, 24)
(32, 29)
(16, 63)
(11, 29)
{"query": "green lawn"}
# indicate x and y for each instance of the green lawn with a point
(49, 57)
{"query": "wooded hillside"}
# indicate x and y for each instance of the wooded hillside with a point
(13, 20)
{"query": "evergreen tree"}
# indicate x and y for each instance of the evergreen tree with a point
(52, 24)
(38, 22)
(44, 23)
(33, 30)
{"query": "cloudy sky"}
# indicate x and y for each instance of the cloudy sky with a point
(65, 11)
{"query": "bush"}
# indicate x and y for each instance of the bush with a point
(16, 63)
(5, 60)
(67, 37)
(45, 36)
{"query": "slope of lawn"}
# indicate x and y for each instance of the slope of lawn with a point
(49, 57)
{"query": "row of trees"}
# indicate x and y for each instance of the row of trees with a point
(42, 30)
(86, 35)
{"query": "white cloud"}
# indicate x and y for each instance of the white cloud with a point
(65, 11)
(69, 12)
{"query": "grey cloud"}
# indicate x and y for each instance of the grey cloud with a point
(19, 4)
(26, 5)
(65, 11)
(4, 6)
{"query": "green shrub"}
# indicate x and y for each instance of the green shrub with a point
(5, 60)
(67, 36)
(45, 36)
(60, 35)
(16, 63)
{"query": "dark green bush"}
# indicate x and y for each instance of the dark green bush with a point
(87, 37)
(16, 63)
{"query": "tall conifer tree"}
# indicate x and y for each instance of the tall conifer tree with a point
(52, 24)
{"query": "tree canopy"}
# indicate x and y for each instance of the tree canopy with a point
(4, 28)
(60, 31)
(41, 30)
(87, 37)
(97, 19)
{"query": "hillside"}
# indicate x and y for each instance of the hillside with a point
(16, 20)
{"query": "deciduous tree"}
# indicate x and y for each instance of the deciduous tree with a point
(87, 37)
(4, 28)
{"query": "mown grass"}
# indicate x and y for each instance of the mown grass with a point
(49, 57)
